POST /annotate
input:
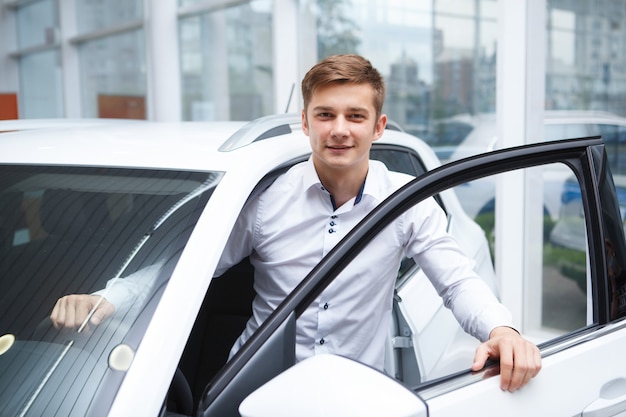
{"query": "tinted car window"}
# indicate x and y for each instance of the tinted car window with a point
(401, 160)
(76, 230)
(398, 159)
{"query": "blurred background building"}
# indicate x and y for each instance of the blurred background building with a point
(238, 60)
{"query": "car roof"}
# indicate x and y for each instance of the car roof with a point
(170, 145)
(149, 144)
(14, 125)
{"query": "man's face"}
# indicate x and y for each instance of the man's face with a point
(341, 123)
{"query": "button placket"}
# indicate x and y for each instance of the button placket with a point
(324, 325)
(332, 223)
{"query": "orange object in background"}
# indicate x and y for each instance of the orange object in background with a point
(121, 107)
(8, 106)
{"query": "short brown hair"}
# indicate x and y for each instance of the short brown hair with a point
(344, 69)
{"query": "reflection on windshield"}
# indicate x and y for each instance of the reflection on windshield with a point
(65, 231)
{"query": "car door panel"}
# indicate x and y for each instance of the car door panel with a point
(571, 381)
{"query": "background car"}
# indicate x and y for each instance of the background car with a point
(465, 135)
(84, 206)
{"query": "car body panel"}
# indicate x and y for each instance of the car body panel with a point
(551, 393)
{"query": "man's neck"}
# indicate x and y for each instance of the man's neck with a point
(343, 186)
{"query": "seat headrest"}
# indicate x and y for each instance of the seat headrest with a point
(74, 215)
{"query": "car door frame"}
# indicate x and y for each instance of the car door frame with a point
(268, 351)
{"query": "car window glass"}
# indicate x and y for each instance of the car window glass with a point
(77, 231)
(399, 160)
(426, 341)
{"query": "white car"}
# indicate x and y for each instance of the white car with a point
(14, 125)
(83, 202)
(82, 205)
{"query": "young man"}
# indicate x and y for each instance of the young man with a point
(287, 230)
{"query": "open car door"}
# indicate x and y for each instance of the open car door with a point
(581, 338)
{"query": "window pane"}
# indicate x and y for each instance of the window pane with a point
(560, 220)
(585, 56)
(37, 24)
(565, 276)
(438, 58)
(556, 288)
(41, 83)
(93, 15)
(113, 76)
(226, 60)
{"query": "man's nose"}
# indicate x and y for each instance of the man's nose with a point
(340, 127)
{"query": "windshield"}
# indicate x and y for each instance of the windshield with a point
(67, 230)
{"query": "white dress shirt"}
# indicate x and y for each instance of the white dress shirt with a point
(289, 228)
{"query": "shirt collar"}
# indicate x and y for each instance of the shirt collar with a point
(369, 186)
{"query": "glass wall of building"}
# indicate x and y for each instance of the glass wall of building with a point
(226, 63)
(41, 95)
(95, 15)
(40, 69)
(438, 58)
(113, 76)
(112, 58)
(586, 62)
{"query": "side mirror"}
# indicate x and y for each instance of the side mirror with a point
(332, 386)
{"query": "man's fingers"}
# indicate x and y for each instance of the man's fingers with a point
(72, 311)
(480, 358)
(103, 310)
(507, 377)
(58, 314)
(520, 360)
(518, 365)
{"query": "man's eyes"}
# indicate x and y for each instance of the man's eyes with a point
(355, 116)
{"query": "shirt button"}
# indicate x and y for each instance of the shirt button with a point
(321, 341)
(332, 223)
(333, 216)
(326, 306)
(331, 231)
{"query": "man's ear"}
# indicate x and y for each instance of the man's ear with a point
(305, 125)
(379, 129)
